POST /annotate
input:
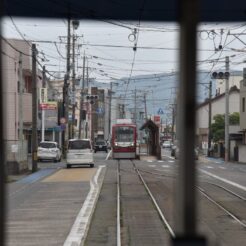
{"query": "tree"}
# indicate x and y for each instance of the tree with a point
(234, 118)
(218, 127)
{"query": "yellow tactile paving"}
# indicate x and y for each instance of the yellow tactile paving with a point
(72, 175)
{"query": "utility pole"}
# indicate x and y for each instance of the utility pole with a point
(34, 109)
(145, 106)
(135, 106)
(110, 102)
(82, 100)
(43, 111)
(20, 145)
(209, 118)
(227, 110)
(173, 119)
(73, 90)
(67, 78)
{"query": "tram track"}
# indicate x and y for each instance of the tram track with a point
(210, 198)
(120, 200)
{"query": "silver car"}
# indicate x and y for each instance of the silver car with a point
(48, 150)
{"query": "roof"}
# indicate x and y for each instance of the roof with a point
(149, 124)
(233, 89)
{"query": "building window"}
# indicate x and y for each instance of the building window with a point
(243, 104)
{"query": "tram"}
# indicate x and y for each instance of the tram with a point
(124, 139)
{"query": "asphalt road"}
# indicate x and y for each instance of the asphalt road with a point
(54, 206)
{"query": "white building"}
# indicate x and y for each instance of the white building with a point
(242, 147)
(217, 107)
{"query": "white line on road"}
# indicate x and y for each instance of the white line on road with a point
(169, 157)
(152, 165)
(109, 153)
(225, 180)
(222, 167)
(165, 166)
(81, 225)
(209, 167)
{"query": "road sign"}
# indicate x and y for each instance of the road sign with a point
(43, 95)
(62, 120)
(100, 110)
(48, 105)
(160, 111)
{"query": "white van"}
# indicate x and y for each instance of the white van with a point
(79, 152)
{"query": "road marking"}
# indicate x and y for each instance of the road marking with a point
(225, 180)
(81, 224)
(209, 167)
(152, 165)
(109, 153)
(222, 167)
(160, 161)
(165, 166)
(149, 161)
(36, 176)
(72, 175)
(171, 161)
(169, 157)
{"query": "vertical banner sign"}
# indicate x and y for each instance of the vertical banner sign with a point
(43, 95)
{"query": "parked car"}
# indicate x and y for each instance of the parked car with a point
(79, 152)
(167, 144)
(101, 145)
(48, 150)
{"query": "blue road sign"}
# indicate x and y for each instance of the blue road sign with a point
(160, 111)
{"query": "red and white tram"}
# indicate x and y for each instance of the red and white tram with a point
(124, 139)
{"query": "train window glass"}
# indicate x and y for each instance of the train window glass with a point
(124, 134)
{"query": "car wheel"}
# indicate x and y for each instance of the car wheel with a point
(95, 151)
(106, 151)
(91, 165)
(68, 166)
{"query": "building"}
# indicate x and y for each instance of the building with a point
(242, 146)
(17, 67)
(217, 107)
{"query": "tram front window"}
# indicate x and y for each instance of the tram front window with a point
(124, 134)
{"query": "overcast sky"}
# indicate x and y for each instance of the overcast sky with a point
(157, 45)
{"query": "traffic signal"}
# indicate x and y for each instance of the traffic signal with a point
(92, 98)
(220, 75)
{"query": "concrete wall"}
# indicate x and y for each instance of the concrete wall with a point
(243, 112)
(242, 153)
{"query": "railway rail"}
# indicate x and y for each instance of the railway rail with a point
(207, 196)
(161, 216)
